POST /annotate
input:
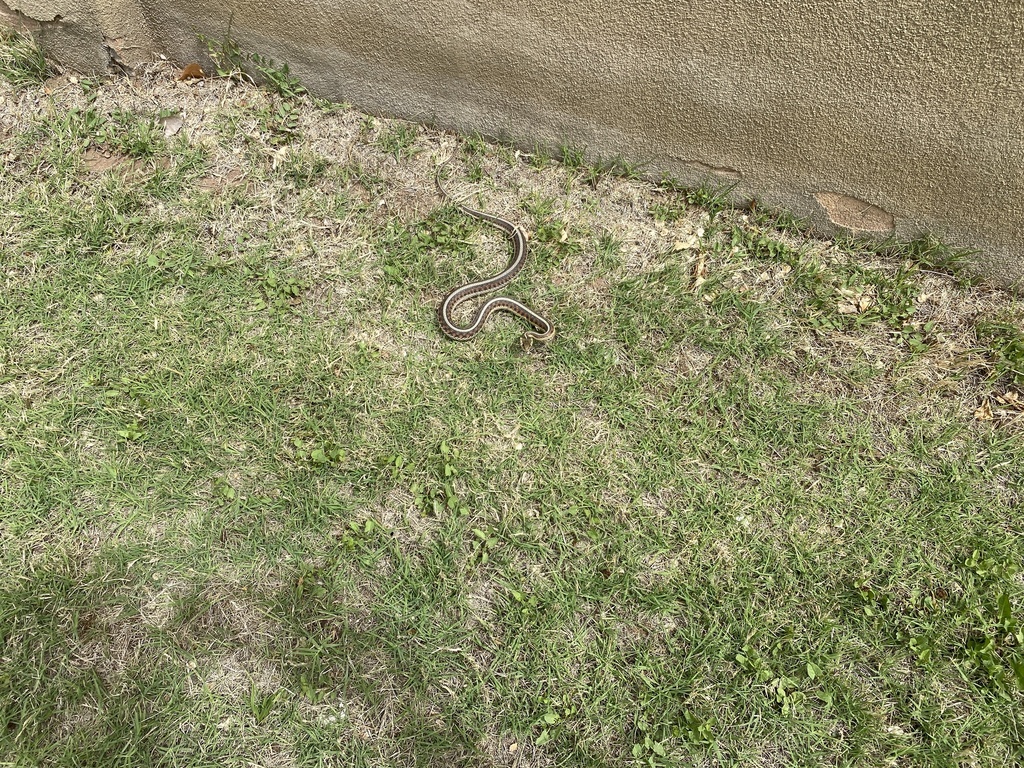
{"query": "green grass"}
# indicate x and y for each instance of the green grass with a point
(1004, 342)
(22, 63)
(255, 509)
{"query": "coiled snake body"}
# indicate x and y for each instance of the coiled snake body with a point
(543, 330)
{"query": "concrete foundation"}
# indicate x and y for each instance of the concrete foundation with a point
(894, 118)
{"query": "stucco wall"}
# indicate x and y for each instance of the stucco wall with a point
(903, 116)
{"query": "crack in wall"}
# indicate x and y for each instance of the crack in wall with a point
(82, 37)
(113, 48)
(723, 171)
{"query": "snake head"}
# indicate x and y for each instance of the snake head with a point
(528, 339)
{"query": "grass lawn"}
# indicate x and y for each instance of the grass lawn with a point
(757, 504)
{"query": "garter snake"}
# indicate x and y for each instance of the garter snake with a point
(543, 330)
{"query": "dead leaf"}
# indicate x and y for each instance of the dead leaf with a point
(172, 124)
(700, 273)
(280, 155)
(984, 411)
(192, 72)
(855, 300)
(1011, 399)
(688, 244)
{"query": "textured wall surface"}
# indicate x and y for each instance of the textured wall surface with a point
(905, 116)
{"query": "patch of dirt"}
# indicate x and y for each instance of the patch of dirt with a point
(217, 183)
(99, 161)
